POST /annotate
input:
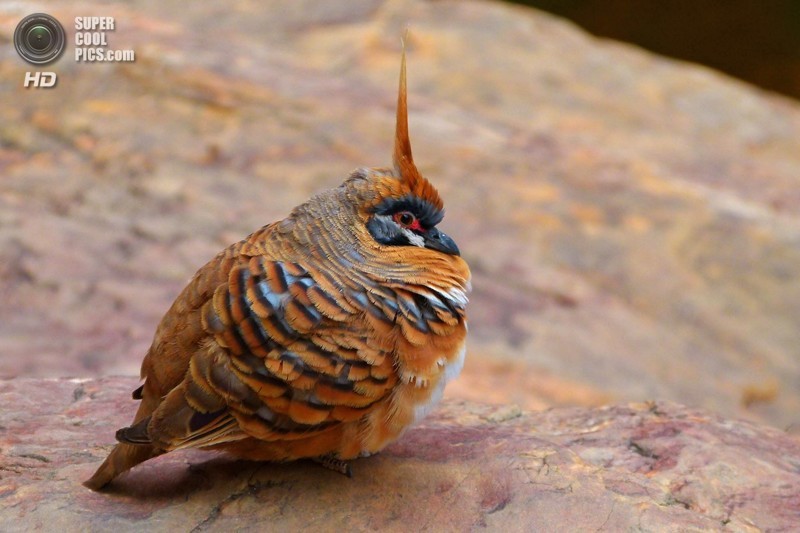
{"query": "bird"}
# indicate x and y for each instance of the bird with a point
(322, 336)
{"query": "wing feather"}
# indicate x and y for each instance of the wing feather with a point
(287, 353)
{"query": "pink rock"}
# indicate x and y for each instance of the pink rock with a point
(653, 466)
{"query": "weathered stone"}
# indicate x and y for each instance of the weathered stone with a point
(651, 466)
(631, 221)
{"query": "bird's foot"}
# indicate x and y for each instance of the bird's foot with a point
(331, 462)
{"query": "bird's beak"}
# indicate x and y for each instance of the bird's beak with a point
(437, 240)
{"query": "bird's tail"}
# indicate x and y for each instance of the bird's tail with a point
(121, 459)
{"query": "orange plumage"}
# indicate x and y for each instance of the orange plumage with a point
(323, 335)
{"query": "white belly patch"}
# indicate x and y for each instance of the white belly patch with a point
(451, 371)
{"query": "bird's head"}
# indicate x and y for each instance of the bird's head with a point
(382, 222)
(386, 218)
(398, 205)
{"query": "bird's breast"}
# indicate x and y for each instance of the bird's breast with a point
(450, 370)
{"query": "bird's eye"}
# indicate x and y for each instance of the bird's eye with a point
(405, 218)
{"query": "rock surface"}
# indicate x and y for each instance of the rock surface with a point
(654, 466)
(632, 222)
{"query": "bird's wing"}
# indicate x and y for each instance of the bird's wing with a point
(287, 351)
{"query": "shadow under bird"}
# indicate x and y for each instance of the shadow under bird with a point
(324, 335)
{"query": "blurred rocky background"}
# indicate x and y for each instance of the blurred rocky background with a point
(631, 221)
(756, 41)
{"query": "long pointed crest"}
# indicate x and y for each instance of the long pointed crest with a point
(403, 160)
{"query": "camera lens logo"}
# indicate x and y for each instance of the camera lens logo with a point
(39, 39)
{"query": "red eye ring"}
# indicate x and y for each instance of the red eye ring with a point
(405, 218)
